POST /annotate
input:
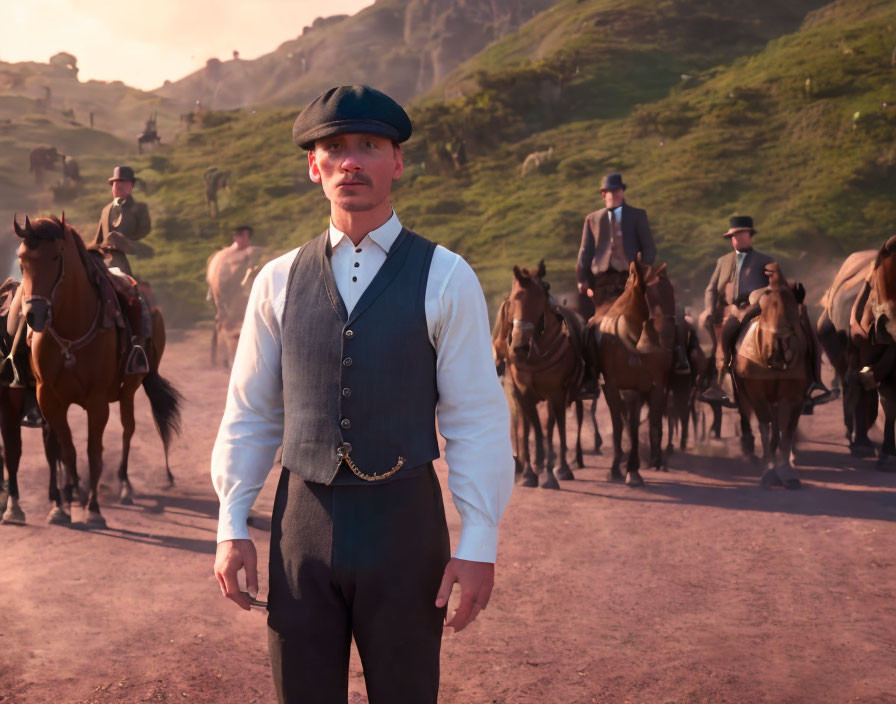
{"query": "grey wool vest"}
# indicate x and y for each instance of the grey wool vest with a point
(363, 383)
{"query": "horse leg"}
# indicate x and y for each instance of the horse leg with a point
(535, 424)
(715, 430)
(614, 403)
(547, 480)
(633, 476)
(57, 515)
(563, 472)
(888, 402)
(656, 410)
(598, 440)
(528, 478)
(787, 418)
(580, 417)
(55, 415)
(671, 422)
(11, 430)
(97, 417)
(549, 437)
(126, 409)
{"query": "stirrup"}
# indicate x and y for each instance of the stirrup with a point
(137, 362)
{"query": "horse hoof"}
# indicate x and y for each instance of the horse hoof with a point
(770, 479)
(549, 481)
(633, 478)
(615, 476)
(564, 474)
(58, 517)
(126, 497)
(793, 484)
(95, 520)
(861, 450)
(529, 480)
(14, 513)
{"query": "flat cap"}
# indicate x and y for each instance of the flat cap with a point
(351, 109)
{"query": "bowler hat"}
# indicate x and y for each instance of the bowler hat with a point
(123, 173)
(611, 182)
(738, 223)
(351, 109)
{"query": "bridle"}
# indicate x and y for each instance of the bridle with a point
(67, 346)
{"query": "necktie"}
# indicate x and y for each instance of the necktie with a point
(737, 269)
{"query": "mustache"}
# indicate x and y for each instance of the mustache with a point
(356, 179)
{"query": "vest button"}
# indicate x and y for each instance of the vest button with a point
(345, 423)
(349, 333)
(346, 392)
(347, 362)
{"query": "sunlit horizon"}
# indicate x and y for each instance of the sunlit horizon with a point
(113, 42)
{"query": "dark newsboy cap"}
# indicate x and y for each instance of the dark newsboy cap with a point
(351, 109)
(739, 223)
(611, 182)
(123, 173)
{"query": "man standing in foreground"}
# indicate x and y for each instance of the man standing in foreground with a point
(350, 347)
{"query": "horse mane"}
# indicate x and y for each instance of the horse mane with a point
(886, 251)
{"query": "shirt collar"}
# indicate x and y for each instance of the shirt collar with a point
(384, 236)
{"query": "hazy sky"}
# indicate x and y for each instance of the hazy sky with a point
(143, 43)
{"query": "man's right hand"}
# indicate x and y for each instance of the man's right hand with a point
(233, 555)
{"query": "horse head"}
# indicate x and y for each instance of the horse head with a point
(41, 261)
(780, 338)
(882, 297)
(526, 307)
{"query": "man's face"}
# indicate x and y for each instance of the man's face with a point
(356, 170)
(241, 239)
(613, 197)
(742, 239)
(122, 189)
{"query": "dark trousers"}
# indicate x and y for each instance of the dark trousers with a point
(363, 561)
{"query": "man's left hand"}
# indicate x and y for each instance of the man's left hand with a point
(476, 580)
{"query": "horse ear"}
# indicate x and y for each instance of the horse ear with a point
(62, 222)
(27, 226)
(799, 292)
(659, 271)
(15, 224)
(541, 269)
(518, 275)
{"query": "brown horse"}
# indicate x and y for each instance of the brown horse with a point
(845, 298)
(681, 409)
(229, 274)
(540, 343)
(772, 370)
(76, 360)
(874, 336)
(12, 400)
(631, 344)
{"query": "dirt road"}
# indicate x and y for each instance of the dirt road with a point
(699, 587)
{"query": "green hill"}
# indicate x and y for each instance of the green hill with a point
(812, 160)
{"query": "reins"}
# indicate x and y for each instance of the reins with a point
(65, 345)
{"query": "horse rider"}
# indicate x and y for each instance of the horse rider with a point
(352, 346)
(122, 222)
(612, 238)
(728, 306)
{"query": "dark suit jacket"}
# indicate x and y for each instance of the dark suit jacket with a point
(594, 254)
(134, 225)
(720, 291)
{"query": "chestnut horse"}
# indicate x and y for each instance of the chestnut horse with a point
(76, 360)
(540, 344)
(874, 336)
(631, 344)
(771, 371)
(845, 298)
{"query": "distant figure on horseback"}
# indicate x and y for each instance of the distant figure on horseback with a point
(612, 238)
(729, 305)
(215, 180)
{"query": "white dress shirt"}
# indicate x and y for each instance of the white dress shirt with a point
(472, 410)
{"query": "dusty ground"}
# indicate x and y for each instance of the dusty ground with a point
(699, 587)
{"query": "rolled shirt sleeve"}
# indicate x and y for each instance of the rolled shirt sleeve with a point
(252, 426)
(472, 411)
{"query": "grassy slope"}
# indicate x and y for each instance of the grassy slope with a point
(743, 138)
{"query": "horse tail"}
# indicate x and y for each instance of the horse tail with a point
(165, 402)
